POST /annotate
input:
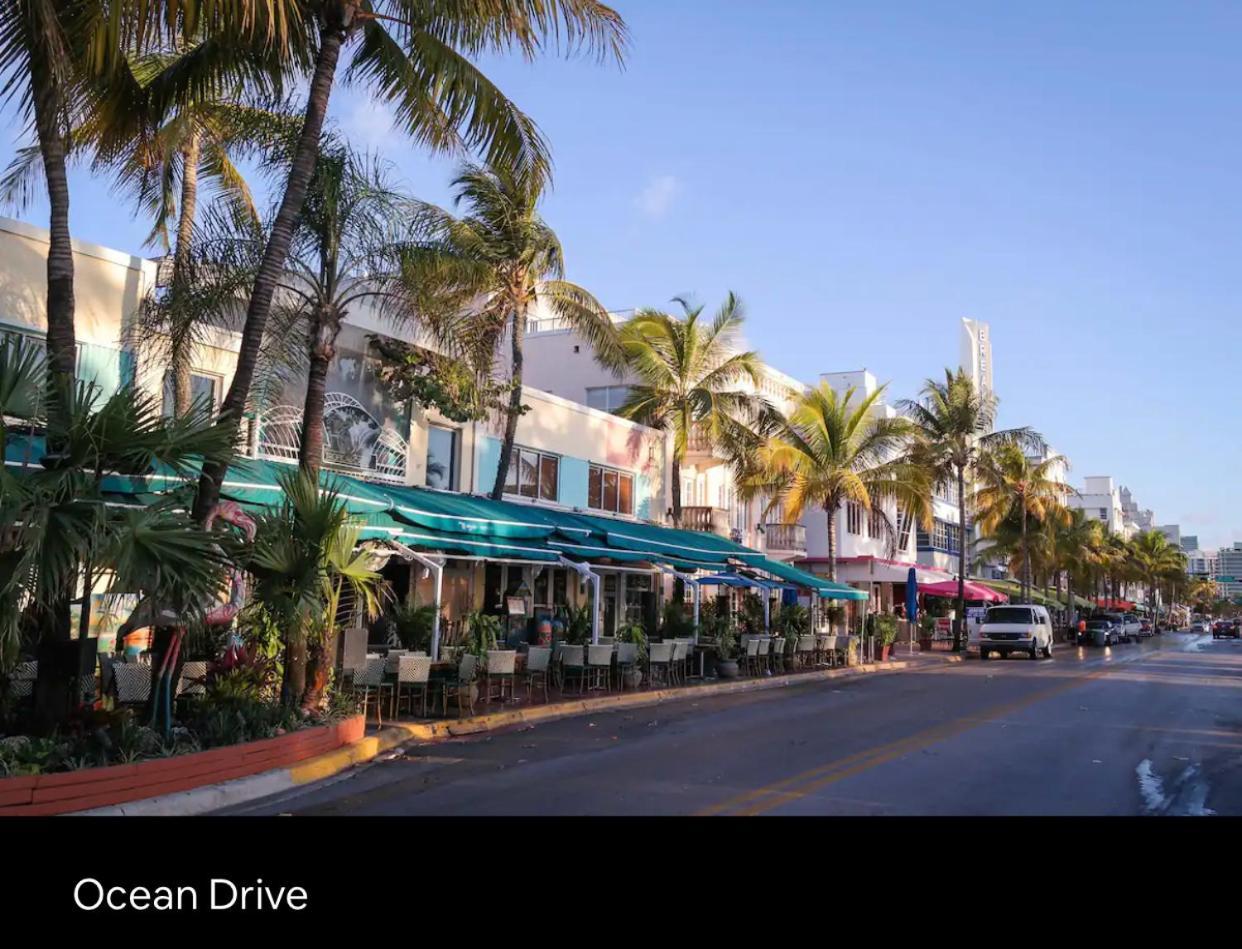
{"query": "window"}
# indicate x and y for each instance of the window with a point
(441, 457)
(875, 523)
(202, 386)
(533, 475)
(1103, 513)
(610, 490)
(903, 529)
(853, 517)
(944, 536)
(607, 398)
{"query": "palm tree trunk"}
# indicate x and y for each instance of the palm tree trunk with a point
(52, 695)
(300, 171)
(514, 410)
(61, 337)
(831, 510)
(960, 622)
(1026, 560)
(180, 355)
(676, 499)
(326, 326)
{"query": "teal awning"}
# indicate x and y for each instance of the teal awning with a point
(385, 527)
(665, 541)
(825, 588)
(473, 514)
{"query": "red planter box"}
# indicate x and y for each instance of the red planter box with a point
(98, 787)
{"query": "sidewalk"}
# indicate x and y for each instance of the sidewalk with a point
(392, 736)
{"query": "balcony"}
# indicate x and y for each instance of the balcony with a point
(701, 452)
(709, 520)
(785, 538)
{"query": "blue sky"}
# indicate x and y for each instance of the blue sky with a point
(865, 175)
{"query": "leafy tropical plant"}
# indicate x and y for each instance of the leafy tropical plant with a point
(482, 633)
(305, 558)
(833, 451)
(64, 532)
(675, 623)
(1011, 484)
(577, 624)
(689, 374)
(483, 275)
(414, 625)
(884, 628)
(954, 421)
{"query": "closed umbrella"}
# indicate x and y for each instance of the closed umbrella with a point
(912, 603)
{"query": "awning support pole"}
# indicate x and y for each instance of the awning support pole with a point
(587, 573)
(694, 587)
(436, 566)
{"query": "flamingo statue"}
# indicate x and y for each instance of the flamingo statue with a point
(148, 613)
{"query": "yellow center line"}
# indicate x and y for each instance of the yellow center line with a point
(800, 785)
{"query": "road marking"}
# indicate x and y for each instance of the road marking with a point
(794, 788)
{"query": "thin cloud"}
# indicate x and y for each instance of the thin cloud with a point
(657, 196)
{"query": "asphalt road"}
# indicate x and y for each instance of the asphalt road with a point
(1147, 728)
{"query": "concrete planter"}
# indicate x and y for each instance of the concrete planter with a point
(86, 788)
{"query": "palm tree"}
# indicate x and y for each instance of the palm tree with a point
(1071, 541)
(305, 559)
(494, 266)
(1156, 560)
(1010, 483)
(347, 250)
(414, 56)
(62, 533)
(832, 451)
(955, 421)
(688, 374)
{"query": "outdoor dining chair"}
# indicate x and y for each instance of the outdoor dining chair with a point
(413, 681)
(752, 656)
(627, 661)
(369, 685)
(193, 681)
(806, 650)
(573, 666)
(765, 654)
(22, 681)
(501, 669)
(659, 661)
(677, 665)
(535, 675)
(599, 668)
(460, 685)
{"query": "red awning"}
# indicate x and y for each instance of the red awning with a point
(1123, 606)
(974, 591)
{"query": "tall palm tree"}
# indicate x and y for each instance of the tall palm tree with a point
(1155, 560)
(832, 451)
(688, 373)
(1009, 483)
(415, 56)
(494, 266)
(1071, 541)
(955, 421)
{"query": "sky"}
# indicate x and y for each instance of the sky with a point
(864, 175)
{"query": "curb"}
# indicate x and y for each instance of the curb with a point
(243, 790)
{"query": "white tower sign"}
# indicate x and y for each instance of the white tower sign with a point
(977, 353)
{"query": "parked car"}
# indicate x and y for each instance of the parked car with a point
(1199, 626)
(1022, 627)
(1111, 632)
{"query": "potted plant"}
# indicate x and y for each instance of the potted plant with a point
(726, 640)
(636, 634)
(927, 628)
(884, 629)
(482, 634)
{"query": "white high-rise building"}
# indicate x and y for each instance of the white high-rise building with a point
(976, 356)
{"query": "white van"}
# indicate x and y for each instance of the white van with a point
(1021, 627)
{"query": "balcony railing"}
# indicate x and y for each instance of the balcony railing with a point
(699, 444)
(709, 520)
(785, 537)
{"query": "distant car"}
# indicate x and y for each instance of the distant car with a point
(1108, 630)
(1127, 626)
(1227, 629)
(1198, 626)
(1016, 628)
